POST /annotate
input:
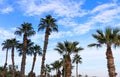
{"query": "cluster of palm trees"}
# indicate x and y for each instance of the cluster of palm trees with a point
(111, 37)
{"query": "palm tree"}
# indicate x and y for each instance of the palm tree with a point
(66, 49)
(27, 30)
(29, 45)
(77, 59)
(62, 60)
(49, 25)
(57, 65)
(35, 50)
(108, 38)
(13, 45)
(6, 45)
(47, 70)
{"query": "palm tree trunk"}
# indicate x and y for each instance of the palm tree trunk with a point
(34, 59)
(68, 67)
(76, 69)
(44, 52)
(13, 64)
(58, 73)
(24, 55)
(110, 62)
(5, 65)
(6, 60)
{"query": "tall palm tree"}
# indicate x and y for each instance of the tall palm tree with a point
(108, 39)
(13, 45)
(26, 30)
(57, 65)
(49, 25)
(35, 50)
(6, 45)
(66, 49)
(77, 59)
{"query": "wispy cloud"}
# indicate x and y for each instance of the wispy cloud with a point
(6, 34)
(58, 7)
(6, 10)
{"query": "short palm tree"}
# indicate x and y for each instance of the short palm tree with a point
(6, 45)
(49, 24)
(47, 70)
(77, 59)
(35, 50)
(108, 39)
(66, 49)
(57, 65)
(26, 30)
(13, 45)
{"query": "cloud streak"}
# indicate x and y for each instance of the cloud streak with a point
(58, 7)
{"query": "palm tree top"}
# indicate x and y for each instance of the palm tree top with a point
(6, 44)
(108, 37)
(48, 23)
(68, 47)
(36, 49)
(25, 28)
(77, 59)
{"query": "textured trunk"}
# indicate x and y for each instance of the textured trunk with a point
(76, 69)
(24, 55)
(58, 73)
(110, 62)
(68, 67)
(5, 65)
(34, 59)
(13, 63)
(44, 52)
(6, 60)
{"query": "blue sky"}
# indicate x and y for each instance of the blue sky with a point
(76, 19)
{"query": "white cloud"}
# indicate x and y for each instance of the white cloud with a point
(59, 7)
(83, 28)
(61, 34)
(107, 16)
(6, 10)
(103, 7)
(68, 22)
(6, 34)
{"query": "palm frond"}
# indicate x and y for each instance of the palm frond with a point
(94, 45)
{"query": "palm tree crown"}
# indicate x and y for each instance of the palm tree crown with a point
(26, 28)
(108, 38)
(77, 59)
(68, 48)
(48, 23)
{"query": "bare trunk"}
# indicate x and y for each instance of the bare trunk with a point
(34, 59)
(76, 69)
(24, 55)
(44, 52)
(13, 64)
(110, 62)
(58, 73)
(68, 66)
(5, 65)
(6, 60)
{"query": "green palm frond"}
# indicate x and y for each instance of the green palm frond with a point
(48, 23)
(94, 45)
(109, 37)
(25, 28)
